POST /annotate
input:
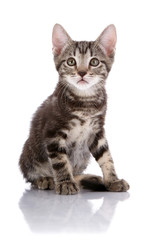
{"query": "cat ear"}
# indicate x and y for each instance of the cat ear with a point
(108, 39)
(59, 38)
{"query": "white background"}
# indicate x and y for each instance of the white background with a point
(28, 76)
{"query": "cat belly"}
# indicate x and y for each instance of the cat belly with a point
(79, 158)
(77, 142)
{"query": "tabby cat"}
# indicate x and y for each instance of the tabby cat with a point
(69, 126)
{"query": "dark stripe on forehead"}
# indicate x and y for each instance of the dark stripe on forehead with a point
(74, 52)
(83, 46)
(90, 48)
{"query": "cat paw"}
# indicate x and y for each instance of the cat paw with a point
(67, 188)
(44, 183)
(117, 186)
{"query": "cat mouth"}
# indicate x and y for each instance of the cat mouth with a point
(82, 81)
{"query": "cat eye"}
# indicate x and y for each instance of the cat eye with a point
(71, 61)
(94, 62)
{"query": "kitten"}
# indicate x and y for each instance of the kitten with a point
(69, 126)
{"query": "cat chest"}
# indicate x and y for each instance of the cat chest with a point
(79, 132)
(77, 142)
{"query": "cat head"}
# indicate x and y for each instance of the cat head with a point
(83, 65)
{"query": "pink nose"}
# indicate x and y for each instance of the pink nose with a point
(82, 73)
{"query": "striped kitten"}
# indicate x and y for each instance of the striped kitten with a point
(68, 127)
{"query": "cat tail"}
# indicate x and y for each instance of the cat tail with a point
(90, 182)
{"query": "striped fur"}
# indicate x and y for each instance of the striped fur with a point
(68, 127)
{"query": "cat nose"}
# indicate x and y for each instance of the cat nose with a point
(82, 73)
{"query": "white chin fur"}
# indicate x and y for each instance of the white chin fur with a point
(82, 86)
(85, 89)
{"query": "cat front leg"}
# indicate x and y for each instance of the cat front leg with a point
(100, 150)
(62, 170)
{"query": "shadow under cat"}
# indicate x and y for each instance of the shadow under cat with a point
(46, 212)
